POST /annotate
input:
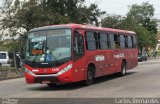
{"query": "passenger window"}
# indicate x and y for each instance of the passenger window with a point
(117, 40)
(129, 42)
(134, 41)
(122, 41)
(126, 41)
(111, 41)
(103, 41)
(90, 41)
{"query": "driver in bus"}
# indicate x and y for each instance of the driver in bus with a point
(48, 56)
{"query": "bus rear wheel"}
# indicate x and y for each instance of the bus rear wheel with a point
(90, 75)
(123, 69)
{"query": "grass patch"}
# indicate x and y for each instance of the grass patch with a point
(7, 68)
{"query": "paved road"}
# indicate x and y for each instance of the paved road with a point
(142, 81)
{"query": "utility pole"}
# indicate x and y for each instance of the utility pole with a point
(14, 58)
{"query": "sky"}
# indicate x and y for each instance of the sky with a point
(120, 7)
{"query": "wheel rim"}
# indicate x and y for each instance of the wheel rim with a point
(123, 70)
(90, 75)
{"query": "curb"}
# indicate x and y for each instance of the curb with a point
(11, 74)
(6, 78)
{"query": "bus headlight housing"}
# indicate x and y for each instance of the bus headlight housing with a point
(29, 72)
(65, 69)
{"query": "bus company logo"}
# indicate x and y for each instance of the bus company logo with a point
(121, 55)
(99, 58)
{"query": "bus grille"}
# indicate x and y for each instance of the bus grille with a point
(41, 79)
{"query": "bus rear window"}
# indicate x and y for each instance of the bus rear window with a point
(3, 56)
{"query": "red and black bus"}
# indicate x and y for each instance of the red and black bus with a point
(68, 53)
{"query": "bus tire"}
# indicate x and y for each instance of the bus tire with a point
(123, 69)
(0, 65)
(90, 75)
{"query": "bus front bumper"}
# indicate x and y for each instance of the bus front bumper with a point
(59, 78)
(65, 78)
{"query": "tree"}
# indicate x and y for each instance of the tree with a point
(138, 19)
(35, 13)
(142, 16)
(75, 10)
(141, 12)
(112, 21)
(19, 17)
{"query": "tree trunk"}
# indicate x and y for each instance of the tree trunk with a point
(14, 58)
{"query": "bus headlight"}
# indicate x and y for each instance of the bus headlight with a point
(28, 71)
(65, 69)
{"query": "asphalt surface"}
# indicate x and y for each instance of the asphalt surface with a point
(142, 81)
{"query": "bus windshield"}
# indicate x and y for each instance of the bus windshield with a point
(48, 45)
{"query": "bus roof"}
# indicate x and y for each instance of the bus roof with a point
(73, 25)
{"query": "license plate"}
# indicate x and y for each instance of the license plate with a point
(45, 82)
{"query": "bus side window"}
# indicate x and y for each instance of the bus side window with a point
(111, 41)
(122, 41)
(126, 41)
(103, 41)
(78, 44)
(129, 42)
(90, 41)
(117, 41)
(134, 41)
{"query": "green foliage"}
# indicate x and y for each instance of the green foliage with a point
(138, 19)
(141, 12)
(35, 13)
(21, 16)
(10, 45)
(7, 68)
(112, 22)
(143, 36)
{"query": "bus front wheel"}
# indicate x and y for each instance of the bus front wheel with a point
(90, 75)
